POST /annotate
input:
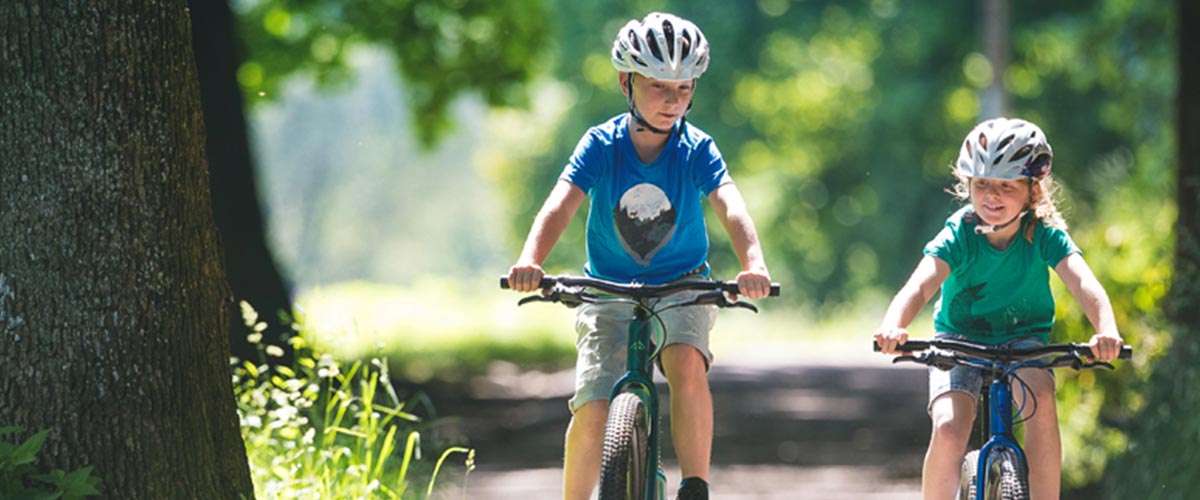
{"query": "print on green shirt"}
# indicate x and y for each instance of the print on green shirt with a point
(960, 309)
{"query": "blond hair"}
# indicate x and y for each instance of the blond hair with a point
(1043, 204)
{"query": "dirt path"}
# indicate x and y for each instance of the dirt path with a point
(820, 429)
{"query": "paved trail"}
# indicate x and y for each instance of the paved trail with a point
(814, 429)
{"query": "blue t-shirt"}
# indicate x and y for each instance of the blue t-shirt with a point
(991, 295)
(645, 221)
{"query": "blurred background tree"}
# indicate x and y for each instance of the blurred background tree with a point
(443, 49)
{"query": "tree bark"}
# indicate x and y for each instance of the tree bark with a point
(1185, 288)
(252, 272)
(113, 300)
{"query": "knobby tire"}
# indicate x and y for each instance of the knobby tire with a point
(1008, 477)
(626, 450)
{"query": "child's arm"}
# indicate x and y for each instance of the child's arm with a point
(1077, 276)
(548, 226)
(925, 281)
(754, 281)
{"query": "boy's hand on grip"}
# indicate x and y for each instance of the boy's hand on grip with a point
(754, 284)
(525, 277)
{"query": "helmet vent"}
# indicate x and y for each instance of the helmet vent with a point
(1039, 161)
(1021, 153)
(669, 35)
(1004, 142)
(967, 145)
(982, 140)
(653, 45)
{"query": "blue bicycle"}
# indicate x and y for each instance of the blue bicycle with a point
(631, 434)
(998, 468)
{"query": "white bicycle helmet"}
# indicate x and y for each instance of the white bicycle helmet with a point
(1006, 149)
(661, 46)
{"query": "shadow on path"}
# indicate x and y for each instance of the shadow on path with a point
(811, 431)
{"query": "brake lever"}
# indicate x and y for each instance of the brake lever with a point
(535, 298)
(718, 299)
(743, 305)
(1098, 364)
(568, 296)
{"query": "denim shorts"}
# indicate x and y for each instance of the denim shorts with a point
(968, 379)
(603, 329)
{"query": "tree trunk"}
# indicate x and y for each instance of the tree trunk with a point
(996, 28)
(113, 300)
(252, 272)
(1185, 288)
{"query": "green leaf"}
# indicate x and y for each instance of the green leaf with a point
(79, 484)
(27, 452)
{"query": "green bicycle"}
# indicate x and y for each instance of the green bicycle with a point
(631, 435)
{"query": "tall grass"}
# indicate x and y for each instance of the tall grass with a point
(319, 429)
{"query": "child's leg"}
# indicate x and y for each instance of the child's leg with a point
(952, 413)
(691, 408)
(600, 343)
(585, 442)
(1043, 448)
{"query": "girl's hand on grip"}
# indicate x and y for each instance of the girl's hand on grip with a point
(1106, 346)
(890, 338)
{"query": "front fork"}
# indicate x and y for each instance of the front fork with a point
(1000, 425)
(638, 379)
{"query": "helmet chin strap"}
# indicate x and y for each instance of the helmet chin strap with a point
(982, 229)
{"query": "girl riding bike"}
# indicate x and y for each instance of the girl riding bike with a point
(991, 263)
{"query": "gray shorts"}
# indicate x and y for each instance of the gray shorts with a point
(602, 330)
(968, 379)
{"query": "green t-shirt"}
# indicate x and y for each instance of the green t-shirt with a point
(993, 296)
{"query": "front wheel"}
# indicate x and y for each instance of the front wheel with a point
(623, 465)
(1008, 476)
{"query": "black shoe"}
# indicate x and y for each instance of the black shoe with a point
(692, 488)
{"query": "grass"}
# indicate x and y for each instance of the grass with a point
(321, 429)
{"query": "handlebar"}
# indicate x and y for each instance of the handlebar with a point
(636, 290)
(996, 353)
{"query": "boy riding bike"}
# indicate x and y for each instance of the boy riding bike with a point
(644, 172)
(991, 264)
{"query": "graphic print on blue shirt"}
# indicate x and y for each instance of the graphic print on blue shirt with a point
(645, 221)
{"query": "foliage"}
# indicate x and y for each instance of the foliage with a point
(21, 478)
(1162, 458)
(1111, 66)
(319, 430)
(443, 48)
(424, 330)
(838, 121)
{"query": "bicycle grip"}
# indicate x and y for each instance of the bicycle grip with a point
(546, 282)
(732, 287)
(912, 345)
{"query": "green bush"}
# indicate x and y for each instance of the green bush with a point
(21, 478)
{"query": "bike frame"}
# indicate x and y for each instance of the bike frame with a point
(1003, 368)
(638, 379)
(999, 416)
